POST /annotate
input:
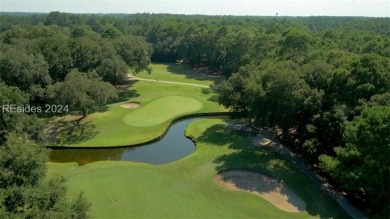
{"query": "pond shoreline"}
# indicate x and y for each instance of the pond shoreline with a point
(172, 122)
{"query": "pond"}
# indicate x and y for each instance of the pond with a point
(172, 147)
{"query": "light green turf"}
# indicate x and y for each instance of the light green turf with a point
(165, 108)
(185, 189)
(160, 104)
(179, 73)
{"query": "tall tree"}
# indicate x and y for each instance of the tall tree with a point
(111, 32)
(58, 55)
(135, 52)
(113, 70)
(364, 163)
(81, 91)
(17, 122)
(285, 94)
(87, 53)
(295, 44)
(26, 71)
(24, 190)
(242, 91)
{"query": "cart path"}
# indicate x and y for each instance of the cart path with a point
(168, 82)
(265, 138)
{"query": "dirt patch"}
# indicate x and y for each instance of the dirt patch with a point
(266, 187)
(131, 105)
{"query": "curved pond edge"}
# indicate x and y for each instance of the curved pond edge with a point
(173, 121)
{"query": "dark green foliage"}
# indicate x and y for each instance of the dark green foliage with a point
(81, 31)
(87, 53)
(15, 32)
(135, 52)
(311, 77)
(286, 92)
(312, 99)
(364, 163)
(295, 44)
(369, 75)
(111, 32)
(17, 122)
(235, 92)
(24, 191)
(57, 18)
(58, 55)
(82, 92)
(23, 70)
(113, 70)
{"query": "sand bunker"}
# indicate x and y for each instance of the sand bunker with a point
(131, 105)
(270, 189)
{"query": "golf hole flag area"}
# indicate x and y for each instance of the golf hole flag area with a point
(227, 176)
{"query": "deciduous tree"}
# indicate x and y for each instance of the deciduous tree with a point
(81, 91)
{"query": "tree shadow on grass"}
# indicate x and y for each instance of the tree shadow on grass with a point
(213, 98)
(126, 95)
(70, 132)
(207, 91)
(125, 91)
(247, 155)
(182, 69)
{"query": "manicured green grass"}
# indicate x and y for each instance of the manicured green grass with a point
(168, 107)
(179, 73)
(185, 188)
(160, 104)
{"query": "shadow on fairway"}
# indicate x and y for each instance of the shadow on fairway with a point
(246, 155)
(213, 98)
(182, 69)
(125, 91)
(125, 95)
(70, 132)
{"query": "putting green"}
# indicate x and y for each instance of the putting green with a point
(167, 107)
(160, 103)
(185, 188)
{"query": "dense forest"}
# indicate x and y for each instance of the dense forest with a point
(322, 83)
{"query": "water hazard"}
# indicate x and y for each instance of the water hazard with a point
(173, 146)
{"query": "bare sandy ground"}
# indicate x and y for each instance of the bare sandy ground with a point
(130, 105)
(270, 189)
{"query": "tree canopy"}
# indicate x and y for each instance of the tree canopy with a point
(322, 82)
(24, 191)
(82, 92)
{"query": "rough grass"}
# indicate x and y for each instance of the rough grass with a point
(185, 188)
(179, 73)
(160, 103)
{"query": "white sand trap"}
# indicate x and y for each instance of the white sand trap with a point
(131, 105)
(269, 189)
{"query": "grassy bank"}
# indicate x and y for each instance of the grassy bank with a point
(185, 188)
(160, 103)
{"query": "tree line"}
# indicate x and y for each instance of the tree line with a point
(323, 83)
(73, 67)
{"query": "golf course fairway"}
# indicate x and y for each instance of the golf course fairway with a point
(185, 188)
(159, 104)
(185, 105)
